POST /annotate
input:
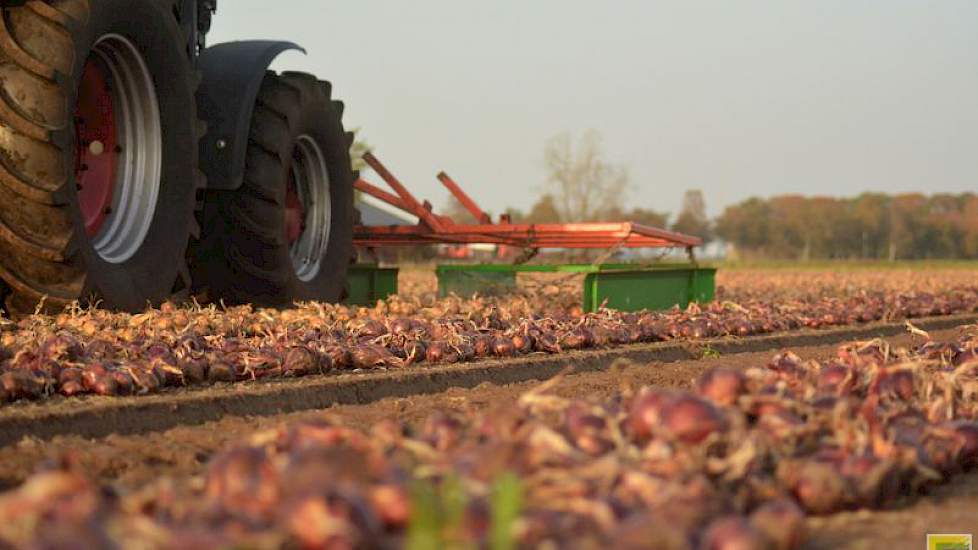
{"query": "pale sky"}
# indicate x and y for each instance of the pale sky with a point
(737, 98)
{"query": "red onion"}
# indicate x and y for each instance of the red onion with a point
(781, 521)
(722, 386)
(733, 533)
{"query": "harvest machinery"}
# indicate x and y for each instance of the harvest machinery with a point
(139, 163)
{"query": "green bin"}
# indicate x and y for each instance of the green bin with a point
(638, 289)
(367, 283)
(625, 287)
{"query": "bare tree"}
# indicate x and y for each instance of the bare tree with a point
(584, 185)
(544, 211)
(692, 218)
(357, 149)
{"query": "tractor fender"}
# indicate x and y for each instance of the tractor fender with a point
(232, 74)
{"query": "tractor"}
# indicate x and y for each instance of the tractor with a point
(139, 164)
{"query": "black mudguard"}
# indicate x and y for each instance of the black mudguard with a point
(232, 76)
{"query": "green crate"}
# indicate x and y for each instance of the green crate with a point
(626, 287)
(704, 285)
(638, 289)
(367, 283)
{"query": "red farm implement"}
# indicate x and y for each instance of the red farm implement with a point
(433, 228)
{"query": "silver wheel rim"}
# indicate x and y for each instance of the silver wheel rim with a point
(313, 186)
(137, 186)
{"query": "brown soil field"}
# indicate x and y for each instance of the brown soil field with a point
(128, 462)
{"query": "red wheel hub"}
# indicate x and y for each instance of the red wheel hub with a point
(295, 211)
(96, 146)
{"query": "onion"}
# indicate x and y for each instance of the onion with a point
(482, 345)
(415, 351)
(503, 347)
(893, 382)
(221, 372)
(401, 326)
(691, 419)
(819, 487)
(194, 371)
(722, 386)
(547, 342)
(244, 482)
(20, 385)
(781, 521)
(436, 351)
(300, 361)
(646, 411)
(365, 356)
(733, 533)
(523, 343)
(967, 433)
(441, 431)
(105, 384)
(587, 430)
(574, 339)
(339, 357)
(836, 378)
(124, 382)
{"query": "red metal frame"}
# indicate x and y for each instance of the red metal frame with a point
(463, 198)
(96, 141)
(435, 229)
(295, 211)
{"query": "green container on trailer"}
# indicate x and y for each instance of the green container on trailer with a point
(638, 289)
(704, 285)
(367, 283)
(626, 287)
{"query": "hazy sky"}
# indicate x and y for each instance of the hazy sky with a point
(734, 97)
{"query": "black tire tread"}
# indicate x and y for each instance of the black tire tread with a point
(35, 48)
(37, 56)
(253, 269)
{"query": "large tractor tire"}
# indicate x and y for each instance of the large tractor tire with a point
(287, 234)
(98, 153)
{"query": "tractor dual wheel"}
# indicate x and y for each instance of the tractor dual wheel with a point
(287, 234)
(98, 153)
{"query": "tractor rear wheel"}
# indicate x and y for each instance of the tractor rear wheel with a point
(287, 234)
(98, 152)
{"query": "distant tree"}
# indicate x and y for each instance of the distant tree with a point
(969, 213)
(871, 214)
(872, 225)
(515, 215)
(643, 216)
(357, 150)
(907, 240)
(544, 211)
(747, 225)
(583, 185)
(692, 218)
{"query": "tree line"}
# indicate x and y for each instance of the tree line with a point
(870, 226)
